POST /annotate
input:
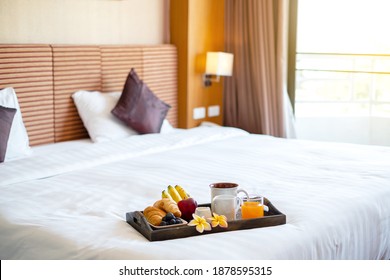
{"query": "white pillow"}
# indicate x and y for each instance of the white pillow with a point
(18, 143)
(166, 127)
(94, 109)
(209, 124)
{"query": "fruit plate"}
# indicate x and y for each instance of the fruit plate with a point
(138, 221)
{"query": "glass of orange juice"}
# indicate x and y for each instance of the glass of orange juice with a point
(252, 208)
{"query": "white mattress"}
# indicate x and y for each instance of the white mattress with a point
(71, 203)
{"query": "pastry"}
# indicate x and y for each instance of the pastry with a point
(168, 205)
(154, 215)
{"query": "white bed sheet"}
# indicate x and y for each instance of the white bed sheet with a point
(59, 147)
(71, 204)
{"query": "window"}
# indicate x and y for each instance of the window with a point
(343, 71)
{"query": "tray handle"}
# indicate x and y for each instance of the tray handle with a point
(139, 220)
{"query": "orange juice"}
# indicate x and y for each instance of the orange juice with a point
(252, 209)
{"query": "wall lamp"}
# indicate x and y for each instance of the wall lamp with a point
(217, 64)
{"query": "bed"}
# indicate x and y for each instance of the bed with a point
(68, 198)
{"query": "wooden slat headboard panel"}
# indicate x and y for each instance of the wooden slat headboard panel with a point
(74, 68)
(160, 74)
(116, 64)
(46, 76)
(28, 69)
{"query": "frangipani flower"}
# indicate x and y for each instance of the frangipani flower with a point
(200, 223)
(218, 220)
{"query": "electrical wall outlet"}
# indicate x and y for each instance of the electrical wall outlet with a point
(199, 113)
(213, 111)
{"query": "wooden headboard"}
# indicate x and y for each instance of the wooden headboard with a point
(45, 76)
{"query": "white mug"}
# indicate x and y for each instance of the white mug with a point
(226, 205)
(224, 189)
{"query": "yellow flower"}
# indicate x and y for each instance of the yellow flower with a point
(200, 223)
(218, 220)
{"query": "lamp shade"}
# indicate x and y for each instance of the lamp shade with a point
(219, 63)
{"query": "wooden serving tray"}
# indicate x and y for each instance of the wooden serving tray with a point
(137, 220)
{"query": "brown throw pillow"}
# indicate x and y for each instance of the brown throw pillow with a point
(139, 108)
(6, 118)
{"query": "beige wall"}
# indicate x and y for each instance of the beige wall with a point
(82, 21)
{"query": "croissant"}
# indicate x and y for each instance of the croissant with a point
(168, 205)
(154, 215)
